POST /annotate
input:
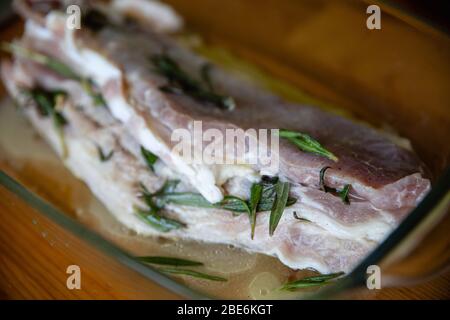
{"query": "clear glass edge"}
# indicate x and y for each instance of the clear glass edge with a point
(91, 237)
(354, 279)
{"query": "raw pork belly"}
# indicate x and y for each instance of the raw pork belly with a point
(319, 230)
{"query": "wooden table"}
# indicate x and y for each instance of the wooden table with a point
(33, 262)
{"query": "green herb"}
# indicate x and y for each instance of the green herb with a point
(104, 157)
(322, 184)
(305, 143)
(147, 196)
(282, 194)
(54, 64)
(46, 102)
(343, 194)
(169, 261)
(152, 218)
(263, 197)
(192, 273)
(176, 262)
(167, 195)
(151, 215)
(58, 67)
(183, 199)
(169, 186)
(234, 204)
(255, 197)
(313, 281)
(90, 88)
(300, 218)
(180, 81)
(268, 194)
(149, 158)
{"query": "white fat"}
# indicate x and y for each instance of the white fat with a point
(223, 173)
(373, 230)
(160, 16)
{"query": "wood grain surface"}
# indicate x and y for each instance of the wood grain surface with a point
(35, 251)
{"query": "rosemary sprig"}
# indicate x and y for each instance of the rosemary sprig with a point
(343, 194)
(149, 158)
(232, 203)
(46, 102)
(305, 143)
(175, 263)
(192, 273)
(282, 194)
(314, 281)
(58, 67)
(90, 88)
(54, 64)
(169, 261)
(181, 81)
(104, 156)
(189, 199)
(268, 194)
(322, 185)
(152, 218)
(300, 218)
(255, 197)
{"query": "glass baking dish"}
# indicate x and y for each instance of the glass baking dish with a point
(316, 52)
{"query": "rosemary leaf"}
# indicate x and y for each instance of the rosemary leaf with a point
(90, 88)
(269, 193)
(149, 158)
(313, 281)
(169, 186)
(255, 197)
(183, 199)
(300, 218)
(234, 204)
(152, 218)
(46, 102)
(52, 63)
(305, 143)
(180, 81)
(192, 273)
(282, 194)
(322, 184)
(169, 261)
(58, 67)
(104, 157)
(323, 277)
(343, 194)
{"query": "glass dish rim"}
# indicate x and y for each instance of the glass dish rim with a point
(352, 280)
